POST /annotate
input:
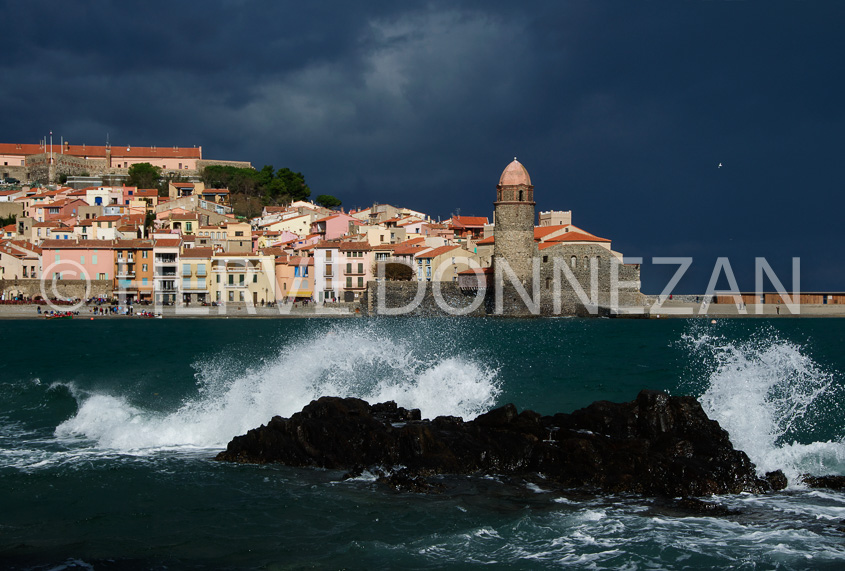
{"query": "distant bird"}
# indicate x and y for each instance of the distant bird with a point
(720, 165)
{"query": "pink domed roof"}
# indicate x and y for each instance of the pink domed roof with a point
(514, 174)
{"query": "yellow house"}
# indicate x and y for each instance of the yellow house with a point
(238, 237)
(196, 275)
(444, 263)
(299, 225)
(243, 278)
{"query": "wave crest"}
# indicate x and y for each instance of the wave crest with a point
(367, 362)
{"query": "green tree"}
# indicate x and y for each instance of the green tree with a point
(294, 184)
(394, 271)
(267, 185)
(328, 201)
(8, 220)
(149, 220)
(144, 175)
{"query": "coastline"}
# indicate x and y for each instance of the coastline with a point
(668, 310)
(238, 311)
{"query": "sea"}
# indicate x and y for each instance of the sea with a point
(109, 428)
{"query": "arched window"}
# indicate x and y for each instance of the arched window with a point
(573, 262)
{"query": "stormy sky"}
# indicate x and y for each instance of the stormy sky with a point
(620, 110)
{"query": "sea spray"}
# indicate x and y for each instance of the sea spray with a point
(368, 361)
(769, 394)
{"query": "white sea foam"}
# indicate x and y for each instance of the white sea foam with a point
(365, 362)
(768, 393)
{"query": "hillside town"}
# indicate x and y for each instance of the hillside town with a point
(189, 247)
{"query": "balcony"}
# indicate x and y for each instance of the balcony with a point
(125, 260)
(236, 269)
(165, 259)
(125, 274)
(165, 273)
(166, 286)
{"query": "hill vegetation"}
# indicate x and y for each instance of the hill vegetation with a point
(250, 190)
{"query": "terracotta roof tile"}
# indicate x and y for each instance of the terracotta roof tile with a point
(168, 243)
(468, 221)
(577, 237)
(77, 245)
(354, 247)
(198, 253)
(541, 232)
(438, 251)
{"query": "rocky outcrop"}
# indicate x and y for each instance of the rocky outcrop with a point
(656, 445)
(826, 482)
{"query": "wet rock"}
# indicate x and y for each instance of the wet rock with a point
(656, 445)
(827, 482)
(694, 506)
(777, 480)
(408, 481)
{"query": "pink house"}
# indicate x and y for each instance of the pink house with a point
(58, 210)
(334, 226)
(74, 260)
(128, 194)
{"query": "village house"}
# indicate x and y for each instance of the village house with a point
(105, 227)
(334, 226)
(327, 274)
(78, 259)
(243, 278)
(58, 210)
(467, 227)
(355, 259)
(294, 278)
(443, 263)
(238, 237)
(133, 271)
(299, 224)
(196, 269)
(19, 259)
(62, 232)
(166, 250)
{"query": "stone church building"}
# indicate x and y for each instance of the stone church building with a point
(535, 271)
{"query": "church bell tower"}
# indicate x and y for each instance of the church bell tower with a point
(514, 222)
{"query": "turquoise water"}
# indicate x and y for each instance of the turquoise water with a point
(108, 427)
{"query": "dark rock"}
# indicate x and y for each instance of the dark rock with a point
(406, 481)
(777, 480)
(827, 482)
(656, 445)
(694, 506)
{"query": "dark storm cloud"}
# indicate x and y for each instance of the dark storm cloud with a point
(621, 111)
